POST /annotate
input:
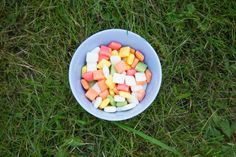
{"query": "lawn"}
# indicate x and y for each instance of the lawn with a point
(194, 113)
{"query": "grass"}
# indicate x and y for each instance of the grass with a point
(193, 115)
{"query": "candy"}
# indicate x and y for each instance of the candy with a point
(91, 67)
(139, 55)
(124, 94)
(135, 62)
(84, 69)
(141, 67)
(124, 52)
(110, 109)
(131, 72)
(96, 50)
(112, 102)
(98, 75)
(148, 75)
(105, 70)
(126, 107)
(104, 94)
(88, 76)
(115, 59)
(118, 98)
(118, 78)
(122, 87)
(114, 53)
(91, 57)
(133, 99)
(116, 91)
(141, 94)
(130, 80)
(145, 86)
(130, 59)
(104, 50)
(102, 57)
(136, 88)
(132, 51)
(104, 103)
(102, 85)
(140, 82)
(96, 88)
(84, 84)
(120, 67)
(97, 102)
(140, 77)
(111, 92)
(91, 83)
(102, 63)
(109, 82)
(119, 104)
(114, 45)
(91, 94)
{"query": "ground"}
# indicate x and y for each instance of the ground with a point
(193, 115)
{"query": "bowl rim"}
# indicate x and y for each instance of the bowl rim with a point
(128, 116)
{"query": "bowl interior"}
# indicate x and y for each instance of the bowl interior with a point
(125, 38)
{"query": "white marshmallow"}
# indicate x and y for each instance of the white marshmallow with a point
(97, 102)
(126, 107)
(105, 70)
(118, 78)
(145, 86)
(91, 67)
(118, 98)
(133, 99)
(130, 81)
(96, 88)
(140, 77)
(96, 50)
(110, 109)
(91, 57)
(115, 59)
(136, 88)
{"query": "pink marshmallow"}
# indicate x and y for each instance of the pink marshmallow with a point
(131, 72)
(122, 87)
(88, 76)
(100, 57)
(114, 45)
(104, 50)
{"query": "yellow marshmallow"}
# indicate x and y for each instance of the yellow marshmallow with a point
(110, 83)
(102, 63)
(114, 53)
(104, 103)
(84, 69)
(125, 94)
(112, 93)
(130, 59)
(124, 52)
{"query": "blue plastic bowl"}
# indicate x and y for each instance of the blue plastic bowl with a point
(125, 38)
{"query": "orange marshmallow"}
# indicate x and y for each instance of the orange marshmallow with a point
(104, 94)
(84, 84)
(139, 55)
(91, 94)
(141, 94)
(120, 66)
(116, 91)
(140, 82)
(132, 50)
(98, 75)
(102, 85)
(148, 74)
(135, 62)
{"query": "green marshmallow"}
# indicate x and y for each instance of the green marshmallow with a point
(112, 102)
(141, 67)
(119, 104)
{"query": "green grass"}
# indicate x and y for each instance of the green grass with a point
(193, 115)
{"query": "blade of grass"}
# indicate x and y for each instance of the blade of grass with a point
(149, 138)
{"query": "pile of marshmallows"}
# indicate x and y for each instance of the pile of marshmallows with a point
(115, 77)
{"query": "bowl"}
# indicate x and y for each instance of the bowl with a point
(124, 37)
